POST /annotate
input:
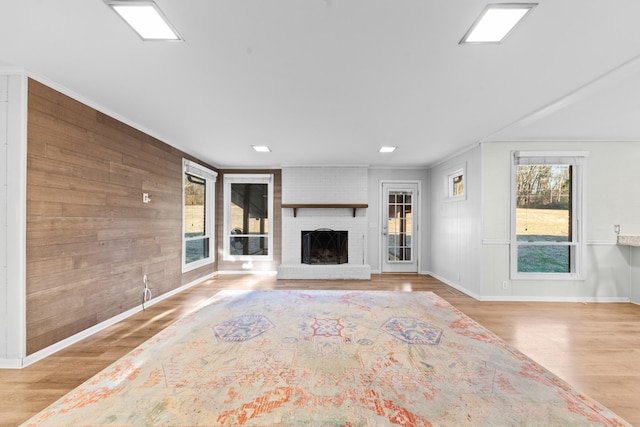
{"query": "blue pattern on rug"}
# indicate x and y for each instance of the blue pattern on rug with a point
(412, 331)
(242, 328)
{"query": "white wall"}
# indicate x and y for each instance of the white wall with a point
(374, 214)
(456, 225)
(4, 99)
(612, 197)
(12, 218)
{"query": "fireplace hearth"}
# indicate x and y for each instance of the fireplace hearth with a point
(325, 246)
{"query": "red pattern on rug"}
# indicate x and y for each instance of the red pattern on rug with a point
(326, 358)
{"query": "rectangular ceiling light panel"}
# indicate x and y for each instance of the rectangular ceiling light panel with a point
(387, 149)
(261, 148)
(496, 21)
(146, 19)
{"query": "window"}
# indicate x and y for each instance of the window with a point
(400, 226)
(198, 192)
(547, 235)
(455, 185)
(248, 203)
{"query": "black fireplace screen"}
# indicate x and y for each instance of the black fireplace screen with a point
(324, 246)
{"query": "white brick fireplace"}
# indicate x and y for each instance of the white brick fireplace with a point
(324, 185)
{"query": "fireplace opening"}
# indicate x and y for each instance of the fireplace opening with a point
(325, 246)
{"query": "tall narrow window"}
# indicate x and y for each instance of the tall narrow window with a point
(195, 215)
(198, 219)
(548, 215)
(248, 213)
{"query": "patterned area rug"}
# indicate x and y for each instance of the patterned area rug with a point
(326, 358)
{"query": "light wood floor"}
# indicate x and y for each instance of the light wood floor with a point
(594, 347)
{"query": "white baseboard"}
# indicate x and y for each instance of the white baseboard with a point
(39, 355)
(584, 300)
(10, 363)
(456, 286)
(516, 298)
(229, 272)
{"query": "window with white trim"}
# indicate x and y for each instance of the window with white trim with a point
(455, 185)
(198, 194)
(547, 218)
(248, 201)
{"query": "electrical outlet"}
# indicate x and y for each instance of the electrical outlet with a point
(505, 284)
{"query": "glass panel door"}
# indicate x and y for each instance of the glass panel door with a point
(399, 227)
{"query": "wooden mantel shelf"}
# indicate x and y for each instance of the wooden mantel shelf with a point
(296, 206)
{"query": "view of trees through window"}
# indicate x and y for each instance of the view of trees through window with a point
(195, 225)
(543, 218)
(458, 185)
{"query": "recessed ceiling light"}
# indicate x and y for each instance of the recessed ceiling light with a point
(387, 149)
(261, 148)
(145, 18)
(496, 21)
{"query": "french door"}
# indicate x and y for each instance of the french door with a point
(399, 227)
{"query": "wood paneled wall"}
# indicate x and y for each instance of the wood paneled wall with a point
(90, 238)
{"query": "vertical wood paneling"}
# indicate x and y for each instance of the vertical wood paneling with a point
(456, 226)
(90, 238)
(4, 119)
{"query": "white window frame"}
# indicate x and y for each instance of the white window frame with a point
(248, 179)
(578, 161)
(210, 178)
(449, 184)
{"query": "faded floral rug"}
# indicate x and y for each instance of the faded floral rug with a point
(325, 358)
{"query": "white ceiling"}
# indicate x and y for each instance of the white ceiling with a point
(327, 82)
